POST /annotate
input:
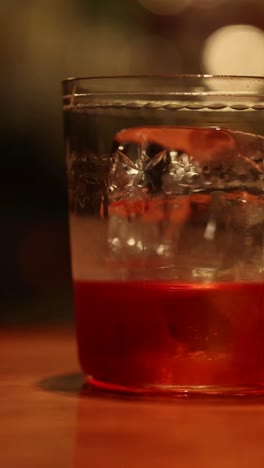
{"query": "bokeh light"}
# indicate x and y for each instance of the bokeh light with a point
(165, 7)
(235, 50)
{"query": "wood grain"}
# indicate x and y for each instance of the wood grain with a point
(47, 421)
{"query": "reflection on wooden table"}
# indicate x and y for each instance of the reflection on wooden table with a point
(47, 420)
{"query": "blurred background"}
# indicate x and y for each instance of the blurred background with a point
(44, 41)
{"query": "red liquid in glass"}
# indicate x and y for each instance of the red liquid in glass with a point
(168, 335)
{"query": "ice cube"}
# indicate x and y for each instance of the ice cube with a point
(192, 195)
(190, 159)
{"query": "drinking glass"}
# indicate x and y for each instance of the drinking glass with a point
(166, 184)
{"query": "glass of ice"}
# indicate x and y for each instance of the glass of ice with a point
(166, 201)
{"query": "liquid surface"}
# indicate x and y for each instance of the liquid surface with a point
(151, 334)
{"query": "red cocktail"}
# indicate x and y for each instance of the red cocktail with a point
(167, 222)
(157, 336)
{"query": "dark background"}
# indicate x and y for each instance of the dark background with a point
(44, 41)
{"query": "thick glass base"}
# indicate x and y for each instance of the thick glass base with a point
(179, 391)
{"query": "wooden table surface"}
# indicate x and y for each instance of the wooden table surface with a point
(47, 422)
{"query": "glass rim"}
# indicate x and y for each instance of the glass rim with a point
(188, 91)
(162, 77)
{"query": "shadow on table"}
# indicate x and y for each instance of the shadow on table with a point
(67, 383)
(73, 384)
